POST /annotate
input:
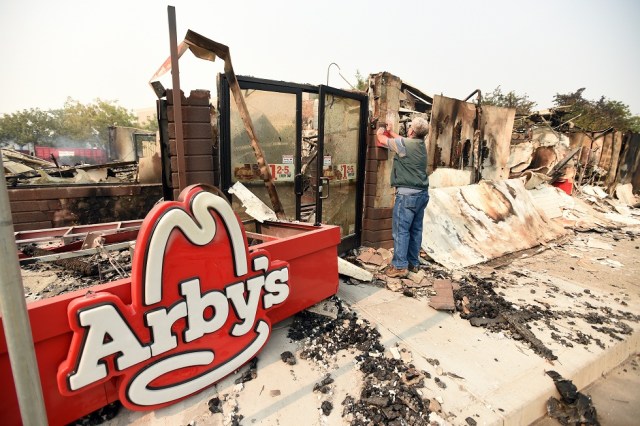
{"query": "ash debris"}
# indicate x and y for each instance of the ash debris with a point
(391, 391)
(288, 358)
(324, 385)
(100, 416)
(477, 301)
(418, 284)
(322, 337)
(68, 275)
(326, 407)
(390, 394)
(226, 403)
(574, 408)
(250, 374)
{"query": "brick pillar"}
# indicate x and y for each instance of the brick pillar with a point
(384, 103)
(200, 145)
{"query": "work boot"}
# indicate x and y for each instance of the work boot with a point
(393, 272)
(414, 269)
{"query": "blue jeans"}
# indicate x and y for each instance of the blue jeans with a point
(406, 228)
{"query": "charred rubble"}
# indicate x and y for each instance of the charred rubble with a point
(573, 407)
(100, 416)
(391, 391)
(78, 273)
(477, 301)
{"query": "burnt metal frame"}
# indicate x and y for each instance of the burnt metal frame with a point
(245, 82)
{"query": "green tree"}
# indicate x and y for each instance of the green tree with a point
(91, 122)
(29, 126)
(597, 115)
(77, 122)
(634, 124)
(361, 83)
(522, 103)
(150, 124)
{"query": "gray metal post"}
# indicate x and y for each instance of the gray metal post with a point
(15, 320)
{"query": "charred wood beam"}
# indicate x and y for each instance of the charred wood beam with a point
(47, 256)
(417, 93)
(519, 326)
(78, 265)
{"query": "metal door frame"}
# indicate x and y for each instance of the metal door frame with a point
(224, 102)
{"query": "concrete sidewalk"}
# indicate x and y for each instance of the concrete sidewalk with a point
(490, 378)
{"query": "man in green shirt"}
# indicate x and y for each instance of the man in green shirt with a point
(409, 177)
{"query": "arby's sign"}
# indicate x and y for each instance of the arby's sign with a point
(198, 311)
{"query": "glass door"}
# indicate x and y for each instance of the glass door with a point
(314, 141)
(341, 148)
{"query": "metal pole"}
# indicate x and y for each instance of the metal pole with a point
(177, 99)
(17, 329)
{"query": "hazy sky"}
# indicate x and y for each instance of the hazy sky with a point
(109, 49)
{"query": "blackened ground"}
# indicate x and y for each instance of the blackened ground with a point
(390, 394)
(477, 302)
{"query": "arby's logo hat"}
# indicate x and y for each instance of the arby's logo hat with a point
(197, 312)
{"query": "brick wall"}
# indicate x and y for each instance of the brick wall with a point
(201, 155)
(58, 206)
(384, 104)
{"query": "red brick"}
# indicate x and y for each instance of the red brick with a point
(388, 244)
(376, 224)
(54, 204)
(21, 206)
(195, 163)
(199, 97)
(370, 190)
(32, 216)
(443, 300)
(196, 97)
(192, 131)
(378, 213)
(379, 154)
(169, 95)
(193, 114)
(194, 177)
(377, 235)
(32, 225)
(193, 147)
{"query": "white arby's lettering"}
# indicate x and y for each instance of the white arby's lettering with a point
(109, 334)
